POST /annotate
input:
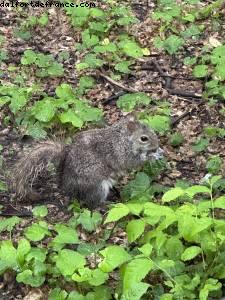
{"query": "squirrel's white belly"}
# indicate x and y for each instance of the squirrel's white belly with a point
(106, 185)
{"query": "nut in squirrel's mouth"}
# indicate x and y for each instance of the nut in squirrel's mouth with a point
(158, 154)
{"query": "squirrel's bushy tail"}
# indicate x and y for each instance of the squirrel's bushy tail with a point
(35, 164)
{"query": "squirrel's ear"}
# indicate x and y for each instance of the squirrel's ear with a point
(131, 126)
(131, 117)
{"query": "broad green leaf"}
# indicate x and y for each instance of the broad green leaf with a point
(128, 101)
(135, 271)
(219, 202)
(135, 208)
(131, 48)
(190, 253)
(9, 223)
(211, 284)
(172, 44)
(36, 232)
(200, 71)
(123, 67)
(40, 211)
(44, 110)
(58, 294)
(146, 249)
(88, 39)
(119, 211)
(134, 229)
(71, 117)
(136, 291)
(68, 261)
(201, 145)
(36, 254)
(29, 57)
(7, 256)
(65, 91)
(174, 248)
(114, 256)
(173, 194)
(218, 55)
(66, 235)
(137, 187)
(90, 221)
(22, 249)
(43, 19)
(195, 189)
(93, 277)
(18, 102)
(158, 123)
(27, 277)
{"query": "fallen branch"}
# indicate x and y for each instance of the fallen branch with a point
(130, 90)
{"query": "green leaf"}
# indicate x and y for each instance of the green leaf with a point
(40, 211)
(93, 277)
(27, 277)
(110, 47)
(134, 229)
(22, 249)
(29, 57)
(92, 61)
(201, 145)
(114, 256)
(7, 256)
(36, 131)
(58, 294)
(200, 71)
(146, 249)
(55, 69)
(44, 110)
(137, 187)
(66, 235)
(135, 292)
(123, 67)
(69, 261)
(128, 101)
(37, 232)
(174, 248)
(195, 189)
(131, 48)
(220, 202)
(218, 55)
(43, 19)
(90, 221)
(173, 194)
(71, 117)
(190, 253)
(211, 284)
(135, 271)
(9, 223)
(64, 91)
(172, 44)
(18, 102)
(158, 123)
(88, 39)
(220, 72)
(119, 211)
(36, 254)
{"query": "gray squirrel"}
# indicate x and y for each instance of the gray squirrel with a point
(88, 168)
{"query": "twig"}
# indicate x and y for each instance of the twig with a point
(184, 93)
(131, 90)
(113, 97)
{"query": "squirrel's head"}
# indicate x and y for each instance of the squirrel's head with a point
(143, 139)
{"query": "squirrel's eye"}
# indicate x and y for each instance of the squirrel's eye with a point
(144, 138)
